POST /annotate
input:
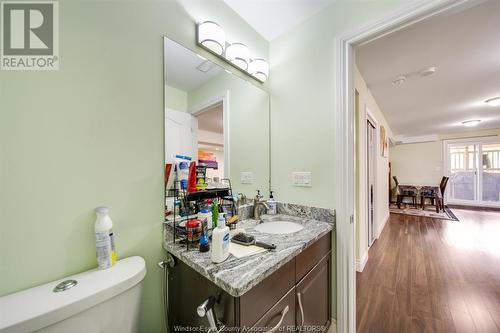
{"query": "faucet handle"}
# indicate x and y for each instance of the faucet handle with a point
(241, 199)
(258, 197)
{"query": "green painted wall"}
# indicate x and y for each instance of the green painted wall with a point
(248, 128)
(302, 100)
(92, 134)
(176, 99)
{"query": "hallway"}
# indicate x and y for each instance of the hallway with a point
(429, 275)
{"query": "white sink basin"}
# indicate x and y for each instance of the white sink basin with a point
(279, 227)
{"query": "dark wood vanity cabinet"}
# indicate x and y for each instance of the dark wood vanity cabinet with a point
(294, 298)
(313, 294)
(277, 318)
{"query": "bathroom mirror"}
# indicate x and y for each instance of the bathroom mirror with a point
(216, 119)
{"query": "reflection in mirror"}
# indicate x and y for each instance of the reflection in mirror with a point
(218, 121)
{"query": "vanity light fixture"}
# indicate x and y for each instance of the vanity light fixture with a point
(495, 101)
(259, 68)
(471, 123)
(238, 54)
(211, 36)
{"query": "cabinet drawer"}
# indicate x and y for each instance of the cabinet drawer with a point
(258, 300)
(311, 255)
(271, 320)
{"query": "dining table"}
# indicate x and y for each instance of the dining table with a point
(422, 191)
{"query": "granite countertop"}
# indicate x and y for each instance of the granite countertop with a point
(237, 276)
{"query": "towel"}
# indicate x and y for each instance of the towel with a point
(240, 251)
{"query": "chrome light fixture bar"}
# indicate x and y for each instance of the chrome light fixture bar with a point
(212, 37)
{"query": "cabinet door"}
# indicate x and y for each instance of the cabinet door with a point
(313, 298)
(280, 318)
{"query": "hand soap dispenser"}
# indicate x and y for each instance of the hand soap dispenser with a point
(271, 203)
(220, 241)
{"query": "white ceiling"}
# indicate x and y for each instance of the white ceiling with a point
(465, 48)
(180, 67)
(271, 18)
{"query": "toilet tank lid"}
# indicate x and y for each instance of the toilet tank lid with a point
(38, 307)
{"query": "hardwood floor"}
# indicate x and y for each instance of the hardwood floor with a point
(429, 275)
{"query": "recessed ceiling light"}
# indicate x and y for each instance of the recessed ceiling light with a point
(399, 80)
(495, 101)
(471, 123)
(427, 71)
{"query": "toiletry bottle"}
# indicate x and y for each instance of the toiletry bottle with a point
(204, 240)
(184, 174)
(105, 245)
(271, 203)
(192, 177)
(220, 241)
(205, 216)
(215, 213)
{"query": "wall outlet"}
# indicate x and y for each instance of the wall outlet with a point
(301, 179)
(246, 177)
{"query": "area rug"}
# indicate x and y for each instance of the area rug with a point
(429, 211)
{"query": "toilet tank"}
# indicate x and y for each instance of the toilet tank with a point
(101, 301)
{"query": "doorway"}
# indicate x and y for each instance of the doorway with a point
(346, 138)
(204, 130)
(211, 150)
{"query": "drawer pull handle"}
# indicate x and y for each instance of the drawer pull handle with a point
(283, 314)
(299, 297)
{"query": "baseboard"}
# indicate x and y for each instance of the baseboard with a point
(476, 208)
(361, 262)
(382, 226)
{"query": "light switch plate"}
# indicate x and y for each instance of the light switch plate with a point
(246, 177)
(303, 179)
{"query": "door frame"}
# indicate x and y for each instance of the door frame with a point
(479, 141)
(345, 139)
(370, 118)
(201, 107)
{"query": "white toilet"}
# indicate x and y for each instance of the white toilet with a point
(101, 301)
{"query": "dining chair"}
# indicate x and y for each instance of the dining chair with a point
(436, 199)
(430, 194)
(442, 187)
(405, 193)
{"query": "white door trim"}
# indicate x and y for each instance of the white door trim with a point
(200, 108)
(370, 118)
(345, 191)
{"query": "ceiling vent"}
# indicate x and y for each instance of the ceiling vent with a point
(205, 66)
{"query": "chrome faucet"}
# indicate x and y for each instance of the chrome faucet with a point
(257, 202)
